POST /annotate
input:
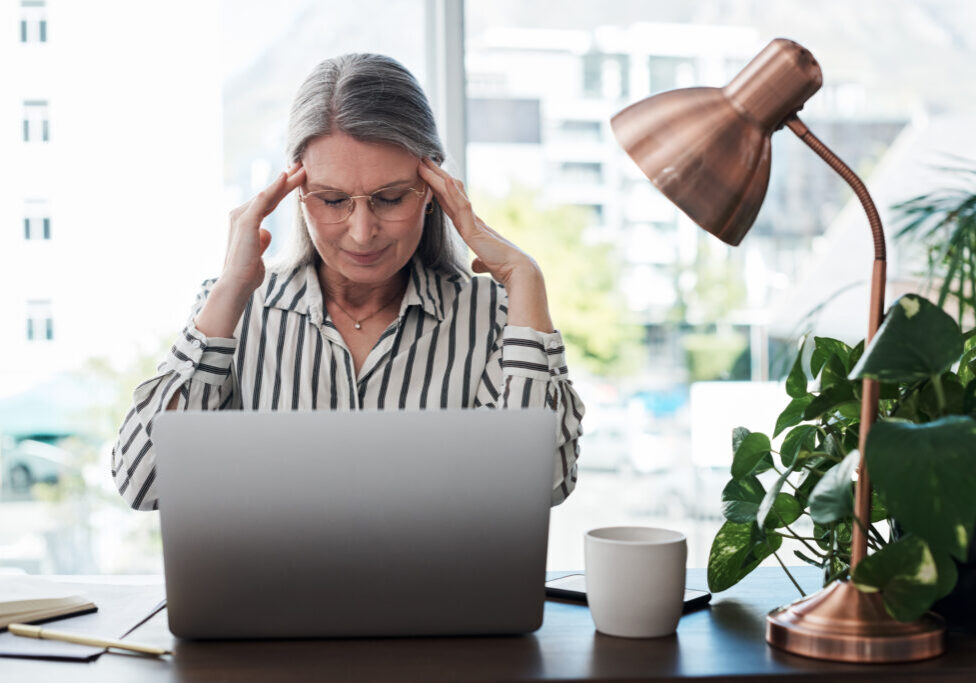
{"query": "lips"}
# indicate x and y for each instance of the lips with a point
(365, 258)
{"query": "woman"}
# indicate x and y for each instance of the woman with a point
(370, 307)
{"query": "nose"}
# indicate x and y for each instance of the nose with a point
(362, 223)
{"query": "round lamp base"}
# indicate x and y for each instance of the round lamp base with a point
(841, 623)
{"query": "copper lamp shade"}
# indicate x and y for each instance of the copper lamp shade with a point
(708, 151)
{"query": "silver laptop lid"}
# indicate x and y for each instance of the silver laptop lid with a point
(303, 524)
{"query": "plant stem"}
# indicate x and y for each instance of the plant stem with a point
(939, 393)
(837, 574)
(776, 555)
(799, 538)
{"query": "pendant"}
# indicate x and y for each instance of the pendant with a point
(358, 326)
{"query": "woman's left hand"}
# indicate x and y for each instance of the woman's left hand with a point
(517, 271)
(493, 253)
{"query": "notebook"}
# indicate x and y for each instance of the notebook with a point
(30, 600)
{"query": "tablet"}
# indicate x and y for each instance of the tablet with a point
(573, 587)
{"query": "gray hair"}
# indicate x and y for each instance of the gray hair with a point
(372, 98)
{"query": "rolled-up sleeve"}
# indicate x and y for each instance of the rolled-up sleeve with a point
(197, 368)
(527, 369)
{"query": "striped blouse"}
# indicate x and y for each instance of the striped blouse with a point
(449, 347)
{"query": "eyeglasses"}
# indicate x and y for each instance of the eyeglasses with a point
(388, 204)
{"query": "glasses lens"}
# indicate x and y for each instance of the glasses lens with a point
(394, 204)
(329, 207)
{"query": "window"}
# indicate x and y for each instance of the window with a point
(238, 101)
(584, 172)
(504, 120)
(580, 131)
(606, 76)
(33, 21)
(36, 121)
(668, 73)
(689, 293)
(40, 323)
(37, 220)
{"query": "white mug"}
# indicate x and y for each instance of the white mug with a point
(635, 580)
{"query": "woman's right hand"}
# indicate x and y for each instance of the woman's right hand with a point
(243, 266)
(247, 241)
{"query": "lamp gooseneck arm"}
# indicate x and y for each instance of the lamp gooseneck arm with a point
(871, 390)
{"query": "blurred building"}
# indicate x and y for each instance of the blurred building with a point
(540, 103)
(110, 163)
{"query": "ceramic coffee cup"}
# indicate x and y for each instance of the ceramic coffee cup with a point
(635, 580)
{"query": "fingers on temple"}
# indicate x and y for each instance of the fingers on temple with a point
(450, 192)
(267, 200)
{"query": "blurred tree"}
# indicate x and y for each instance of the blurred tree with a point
(581, 280)
(118, 383)
(709, 291)
(713, 287)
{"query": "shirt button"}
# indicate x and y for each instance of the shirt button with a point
(197, 344)
(188, 365)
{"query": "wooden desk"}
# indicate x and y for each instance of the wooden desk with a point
(721, 642)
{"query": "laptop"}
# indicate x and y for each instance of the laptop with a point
(326, 524)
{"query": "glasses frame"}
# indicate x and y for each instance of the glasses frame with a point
(303, 196)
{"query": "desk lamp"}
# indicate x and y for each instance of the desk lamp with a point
(708, 151)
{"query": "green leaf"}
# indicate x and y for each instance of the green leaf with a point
(796, 381)
(879, 510)
(735, 552)
(856, 354)
(952, 393)
(822, 535)
(741, 499)
(769, 502)
(799, 439)
(834, 373)
(823, 349)
(967, 366)
(793, 413)
(786, 510)
(969, 399)
(906, 574)
(812, 474)
(850, 410)
(748, 455)
(836, 570)
(833, 447)
(831, 499)
(844, 531)
(827, 534)
(916, 340)
(908, 408)
(828, 400)
(887, 390)
(738, 434)
(926, 475)
(948, 573)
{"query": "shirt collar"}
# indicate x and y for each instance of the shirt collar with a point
(298, 290)
(424, 287)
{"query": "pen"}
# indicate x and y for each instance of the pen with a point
(38, 632)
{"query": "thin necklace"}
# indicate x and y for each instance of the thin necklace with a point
(358, 324)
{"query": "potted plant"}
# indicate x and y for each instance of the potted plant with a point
(921, 456)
